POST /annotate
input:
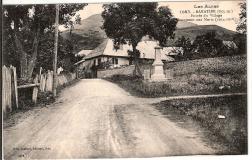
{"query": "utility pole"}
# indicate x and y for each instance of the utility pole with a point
(55, 51)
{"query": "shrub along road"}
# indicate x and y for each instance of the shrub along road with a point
(96, 118)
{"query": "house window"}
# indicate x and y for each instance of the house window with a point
(114, 60)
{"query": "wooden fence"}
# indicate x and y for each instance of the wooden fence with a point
(41, 83)
(46, 80)
(9, 89)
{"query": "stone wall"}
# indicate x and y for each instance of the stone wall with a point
(224, 65)
(127, 70)
(229, 65)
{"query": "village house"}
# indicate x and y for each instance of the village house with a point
(106, 56)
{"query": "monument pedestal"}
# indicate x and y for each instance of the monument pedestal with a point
(158, 74)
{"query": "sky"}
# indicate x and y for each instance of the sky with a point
(176, 7)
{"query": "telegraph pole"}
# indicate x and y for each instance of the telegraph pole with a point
(55, 51)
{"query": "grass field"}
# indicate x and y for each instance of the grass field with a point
(204, 76)
(224, 117)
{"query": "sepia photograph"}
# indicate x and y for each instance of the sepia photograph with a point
(124, 79)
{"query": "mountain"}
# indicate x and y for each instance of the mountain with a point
(194, 31)
(185, 24)
(89, 34)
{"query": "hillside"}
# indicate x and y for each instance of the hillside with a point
(194, 31)
(185, 24)
(89, 34)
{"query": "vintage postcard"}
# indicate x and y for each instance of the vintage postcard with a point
(124, 80)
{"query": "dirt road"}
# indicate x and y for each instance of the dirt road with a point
(95, 118)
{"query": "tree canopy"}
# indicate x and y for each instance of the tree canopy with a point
(241, 38)
(185, 43)
(25, 25)
(207, 45)
(242, 26)
(128, 23)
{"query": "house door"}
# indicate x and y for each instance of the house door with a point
(93, 72)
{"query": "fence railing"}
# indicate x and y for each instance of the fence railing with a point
(41, 83)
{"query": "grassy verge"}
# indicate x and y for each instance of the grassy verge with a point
(225, 118)
(180, 85)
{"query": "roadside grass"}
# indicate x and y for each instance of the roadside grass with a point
(182, 85)
(224, 117)
(204, 76)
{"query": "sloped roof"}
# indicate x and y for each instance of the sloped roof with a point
(84, 53)
(98, 50)
(146, 48)
(83, 60)
(230, 44)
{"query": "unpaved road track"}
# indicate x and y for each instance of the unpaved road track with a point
(97, 119)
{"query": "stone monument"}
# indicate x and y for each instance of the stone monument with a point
(158, 74)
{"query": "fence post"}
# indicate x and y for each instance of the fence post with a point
(40, 71)
(49, 81)
(9, 88)
(35, 90)
(14, 85)
(4, 89)
(44, 82)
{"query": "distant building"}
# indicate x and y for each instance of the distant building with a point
(106, 56)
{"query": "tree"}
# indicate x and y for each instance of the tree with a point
(65, 56)
(25, 24)
(241, 43)
(127, 23)
(242, 26)
(241, 37)
(185, 43)
(70, 24)
(206, 45)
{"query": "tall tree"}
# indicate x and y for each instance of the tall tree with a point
(25, 24)
(207, 45)
(128, 23)
(241, 37)
(185, 43)
(242, 26)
